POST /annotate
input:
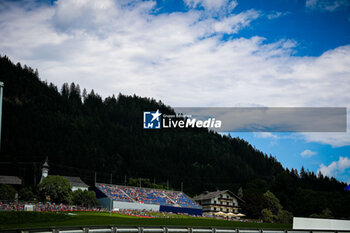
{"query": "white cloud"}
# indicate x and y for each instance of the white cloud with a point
(265, 135)
(326, 5)
(234, 23)
(276, 14)
(338, 139)
(336, 167)
(333, 139)
(179, 58)
(307, 153)
(84, 14)
(212, 5)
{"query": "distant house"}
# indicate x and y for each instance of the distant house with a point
(75, 181)
(11, 180)
(220, 201)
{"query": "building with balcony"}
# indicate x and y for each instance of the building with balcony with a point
(219, 201)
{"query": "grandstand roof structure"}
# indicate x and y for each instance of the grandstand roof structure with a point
(147, 196)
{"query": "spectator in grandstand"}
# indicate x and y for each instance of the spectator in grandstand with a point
(147, 195)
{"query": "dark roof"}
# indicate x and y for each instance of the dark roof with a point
(10, 180)
(209, 195)
(46, 164)
(76, 181)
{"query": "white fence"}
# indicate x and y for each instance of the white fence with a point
(321, 224)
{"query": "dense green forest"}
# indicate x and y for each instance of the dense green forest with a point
(81, 133)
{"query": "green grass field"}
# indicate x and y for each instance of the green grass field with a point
(21, 220)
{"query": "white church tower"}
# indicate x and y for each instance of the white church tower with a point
(45, 170)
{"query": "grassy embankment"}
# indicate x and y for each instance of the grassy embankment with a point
(21, 220)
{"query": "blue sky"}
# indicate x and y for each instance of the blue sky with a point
(317, 26)
(294, 152)
(199, 53)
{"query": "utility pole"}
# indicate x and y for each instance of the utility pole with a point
(34, 176)
(1, 95)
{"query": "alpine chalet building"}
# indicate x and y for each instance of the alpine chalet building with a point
(219, 201)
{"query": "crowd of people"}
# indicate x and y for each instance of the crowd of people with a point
(40, 206)
(114, 192)
(181, 199)
(52, 207)
(147, 195)
(138, 213)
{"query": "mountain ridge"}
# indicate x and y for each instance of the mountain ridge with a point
(82, 133)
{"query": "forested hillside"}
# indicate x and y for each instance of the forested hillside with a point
(82, 133)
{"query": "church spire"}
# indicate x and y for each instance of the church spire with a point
(45, 169)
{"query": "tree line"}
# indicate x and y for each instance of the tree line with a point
(83, 133)
(54, 189)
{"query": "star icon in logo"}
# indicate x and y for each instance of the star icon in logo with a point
(156, 115)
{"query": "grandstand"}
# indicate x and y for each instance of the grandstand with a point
(128, 197)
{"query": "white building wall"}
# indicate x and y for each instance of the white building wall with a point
(137, 206)
(74, 188)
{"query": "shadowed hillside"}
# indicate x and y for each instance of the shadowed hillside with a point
(81, 134)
